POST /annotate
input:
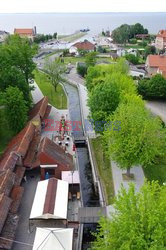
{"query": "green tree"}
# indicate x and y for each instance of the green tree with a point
(103, 100)
(96, 73)
(139, 220)
(55, 69)
(105, 97)
(154, 88)
(132, 58)
(90, 59)
(15, 108)
(141, 136)
(21, 55)
(81, 69)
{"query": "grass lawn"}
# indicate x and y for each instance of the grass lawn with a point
(57, 99)
(5, 133)
(104, 169)
(74, 60)
(134, 46)
(157, 171)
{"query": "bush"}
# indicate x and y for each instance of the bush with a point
(133, 41)
(132, 58)
(154, 88)
(81, 69)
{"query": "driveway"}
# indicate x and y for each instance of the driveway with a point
(157, 108)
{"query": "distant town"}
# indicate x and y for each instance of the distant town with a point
(83, 139)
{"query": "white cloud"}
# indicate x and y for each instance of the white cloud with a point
(26, 6)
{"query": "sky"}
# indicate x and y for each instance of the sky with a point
(37, 6)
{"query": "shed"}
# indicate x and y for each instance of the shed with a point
(51, 200)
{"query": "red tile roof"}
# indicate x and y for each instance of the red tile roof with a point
(162, 33)
(157, 60)
(21, 141)
(4, 209)
(8, 161)
(40, 108)
(86, 45)
(31, 160)
(55, 154)
(19, 175)
(16, 196)
(9, 231)
(24, 31)
(7, 180)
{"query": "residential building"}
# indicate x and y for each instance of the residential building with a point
(156, 64)
(3, 35)
(86, 46)
(160, 42)
(28, 33)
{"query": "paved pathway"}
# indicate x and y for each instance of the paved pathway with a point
(118, 181)
(157, 108)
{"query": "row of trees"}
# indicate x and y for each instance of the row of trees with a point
(16, 73)
(125, 32)
(44, 38)
(137, 222)
(113, 98)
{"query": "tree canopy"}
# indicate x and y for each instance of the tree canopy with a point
(125, 32)
(154, 88)
(55, 69)
(141, 137)
(94, 74)
(16, 65)
(15, 108)
(139, 220)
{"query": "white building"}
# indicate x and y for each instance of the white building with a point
(53, 239)
(3, 35)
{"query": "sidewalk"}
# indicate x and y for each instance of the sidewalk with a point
(118, 181)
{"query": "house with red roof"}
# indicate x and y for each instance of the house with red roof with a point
(85, 45)
(156, 64)
(160, 42)
(28, 33)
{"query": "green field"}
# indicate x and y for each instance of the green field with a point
(104, 169)
(5, 133)
(157, 171)
(56, 98)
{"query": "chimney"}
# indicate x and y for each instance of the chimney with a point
(35, 32)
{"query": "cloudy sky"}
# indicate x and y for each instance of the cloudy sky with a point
(26, 6)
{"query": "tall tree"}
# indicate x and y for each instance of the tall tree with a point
(21, 55)
(55, 69)
(99, 71)
(105, 97)
(15, 108)
(90, 59)
(140, 138)
(139, 220)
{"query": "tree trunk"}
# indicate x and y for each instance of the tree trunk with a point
(128, 172)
